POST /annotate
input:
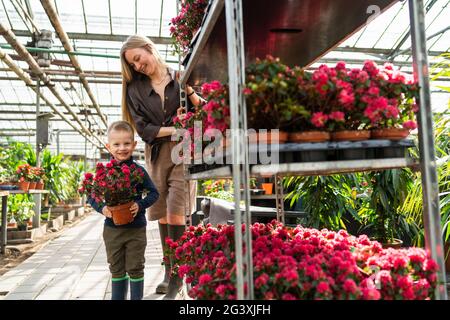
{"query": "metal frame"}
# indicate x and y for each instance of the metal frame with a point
(240, 173)
(430, 190)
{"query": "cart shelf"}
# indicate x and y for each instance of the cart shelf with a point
(299, 32)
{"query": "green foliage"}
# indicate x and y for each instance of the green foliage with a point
(62, 176)
(16, 153)
(413, 205)
(326, 199)
(381, 211)
(221, 189)
(21, 207)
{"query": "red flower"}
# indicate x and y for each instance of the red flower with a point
(319, 119)
(116, 186)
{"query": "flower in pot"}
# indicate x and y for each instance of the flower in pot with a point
(37, 174)
(116, 185)
(390, 101)
(23, 176)
(271, 96)
(213, 117)
(186, 23)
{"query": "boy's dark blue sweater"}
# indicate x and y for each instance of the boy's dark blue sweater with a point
(144, 203)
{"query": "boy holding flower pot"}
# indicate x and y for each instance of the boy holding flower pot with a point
(125, 241)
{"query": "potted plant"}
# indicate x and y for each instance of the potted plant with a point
(115, 184)
(21, 207)
(271, 97)
(390, 101)
(37, 175)
(23, 174)
(186, 23)
(381, 214)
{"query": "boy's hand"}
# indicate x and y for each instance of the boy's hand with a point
(134, 209)
(106, 212)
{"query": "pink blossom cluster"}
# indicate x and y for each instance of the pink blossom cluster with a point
(217, 107)
(371, 97)
(114, 183)
(185, 24)
(302, 263)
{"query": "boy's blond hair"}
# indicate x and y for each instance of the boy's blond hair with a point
(121, 125)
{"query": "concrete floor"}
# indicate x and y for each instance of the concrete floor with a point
(73, 266)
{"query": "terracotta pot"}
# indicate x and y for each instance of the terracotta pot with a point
(268, 188)
(309, 136)
(40, 185)
(121, 214)
(350, 135)
(396, 244)
(268, 138)
(23, 185)
(11, 225)
(32, 185)
(390, 133)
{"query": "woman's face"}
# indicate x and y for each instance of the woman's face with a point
(141, 60)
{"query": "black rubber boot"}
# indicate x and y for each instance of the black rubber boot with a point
(119, 288)
(163, 233)
(136, 289)
(175, 282)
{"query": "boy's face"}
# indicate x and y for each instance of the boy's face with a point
(121, 144)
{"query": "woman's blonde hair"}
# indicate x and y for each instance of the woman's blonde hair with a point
(128, 73)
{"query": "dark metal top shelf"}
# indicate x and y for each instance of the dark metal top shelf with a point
(299, 32)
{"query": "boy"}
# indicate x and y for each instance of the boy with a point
(125, 244)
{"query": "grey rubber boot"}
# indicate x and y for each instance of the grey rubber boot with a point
(163, 233)
(175, 282)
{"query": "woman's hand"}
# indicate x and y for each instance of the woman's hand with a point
(189, 90)
(181, 113)
(181, 110)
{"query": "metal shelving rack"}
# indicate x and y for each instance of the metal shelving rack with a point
(204, 64)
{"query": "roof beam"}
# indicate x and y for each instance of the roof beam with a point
(70, 80)
(58, 105)
(99, 37)
(26, 78)
(379, 51)
(394, 52)
(54, 19)
(37, 70)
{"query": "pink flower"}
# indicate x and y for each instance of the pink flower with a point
(318, 119)
(337, 116)
(350, 286)
(346, 97)
(410, 124)
(323, 287)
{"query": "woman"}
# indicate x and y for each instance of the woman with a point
(150, 99)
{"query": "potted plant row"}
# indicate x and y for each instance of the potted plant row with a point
(29, 178)
(331, 103)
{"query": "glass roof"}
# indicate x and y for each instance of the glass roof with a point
(97, 29)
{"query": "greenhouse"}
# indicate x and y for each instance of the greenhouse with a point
(131, 131)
